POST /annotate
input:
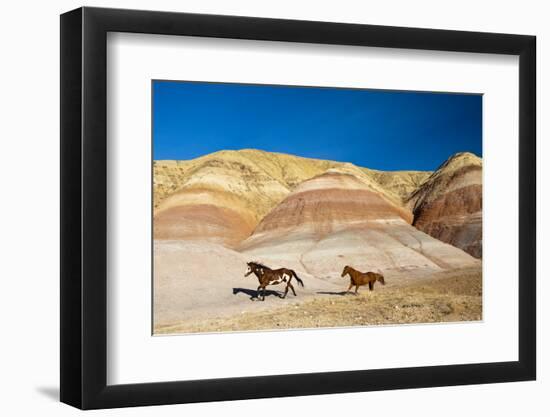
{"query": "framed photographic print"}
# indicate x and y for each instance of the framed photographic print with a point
(258, 207)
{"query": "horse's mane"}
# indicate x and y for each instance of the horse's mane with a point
(259, 265)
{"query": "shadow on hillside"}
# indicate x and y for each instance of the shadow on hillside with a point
(253, 294)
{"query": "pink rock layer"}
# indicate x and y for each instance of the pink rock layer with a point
(324, 208)
(202, 222)
(454, 217)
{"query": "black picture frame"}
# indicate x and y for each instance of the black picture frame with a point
(84, 207)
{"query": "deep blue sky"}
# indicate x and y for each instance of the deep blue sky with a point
(386, 130)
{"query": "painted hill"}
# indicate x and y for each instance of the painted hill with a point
(336, 219)
(225, 196)
(259, 178)
(448, 204)
(221, 197)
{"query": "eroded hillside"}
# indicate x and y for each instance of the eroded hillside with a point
(225, 196)
(448, 205)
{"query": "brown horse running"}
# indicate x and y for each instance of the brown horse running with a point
(358, 278)
(267, 276)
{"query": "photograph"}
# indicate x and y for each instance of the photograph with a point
(279, 207)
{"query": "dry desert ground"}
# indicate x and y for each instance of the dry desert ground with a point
(451, 296)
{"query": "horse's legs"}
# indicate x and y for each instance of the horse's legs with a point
(263, 293)
(286, 292)
(357, 290)
(349, 288)
(371, 284)
(258, 291)
(292, 288)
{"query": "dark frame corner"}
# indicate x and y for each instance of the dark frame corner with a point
(84, 214)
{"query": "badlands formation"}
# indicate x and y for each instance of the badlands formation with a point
(448, 204)
(335, 220)
(214, 213)
(224, 195)
(221, 197)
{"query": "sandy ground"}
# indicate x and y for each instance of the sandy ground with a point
(194, 281)
(201, 287)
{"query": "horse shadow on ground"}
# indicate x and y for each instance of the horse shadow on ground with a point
(334, 292)
(253, 294)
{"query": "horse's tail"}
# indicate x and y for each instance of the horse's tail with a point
(297, 278)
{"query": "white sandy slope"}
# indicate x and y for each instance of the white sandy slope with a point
(204, 279)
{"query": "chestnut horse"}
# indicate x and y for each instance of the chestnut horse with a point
(267, 276)
(358, 278)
